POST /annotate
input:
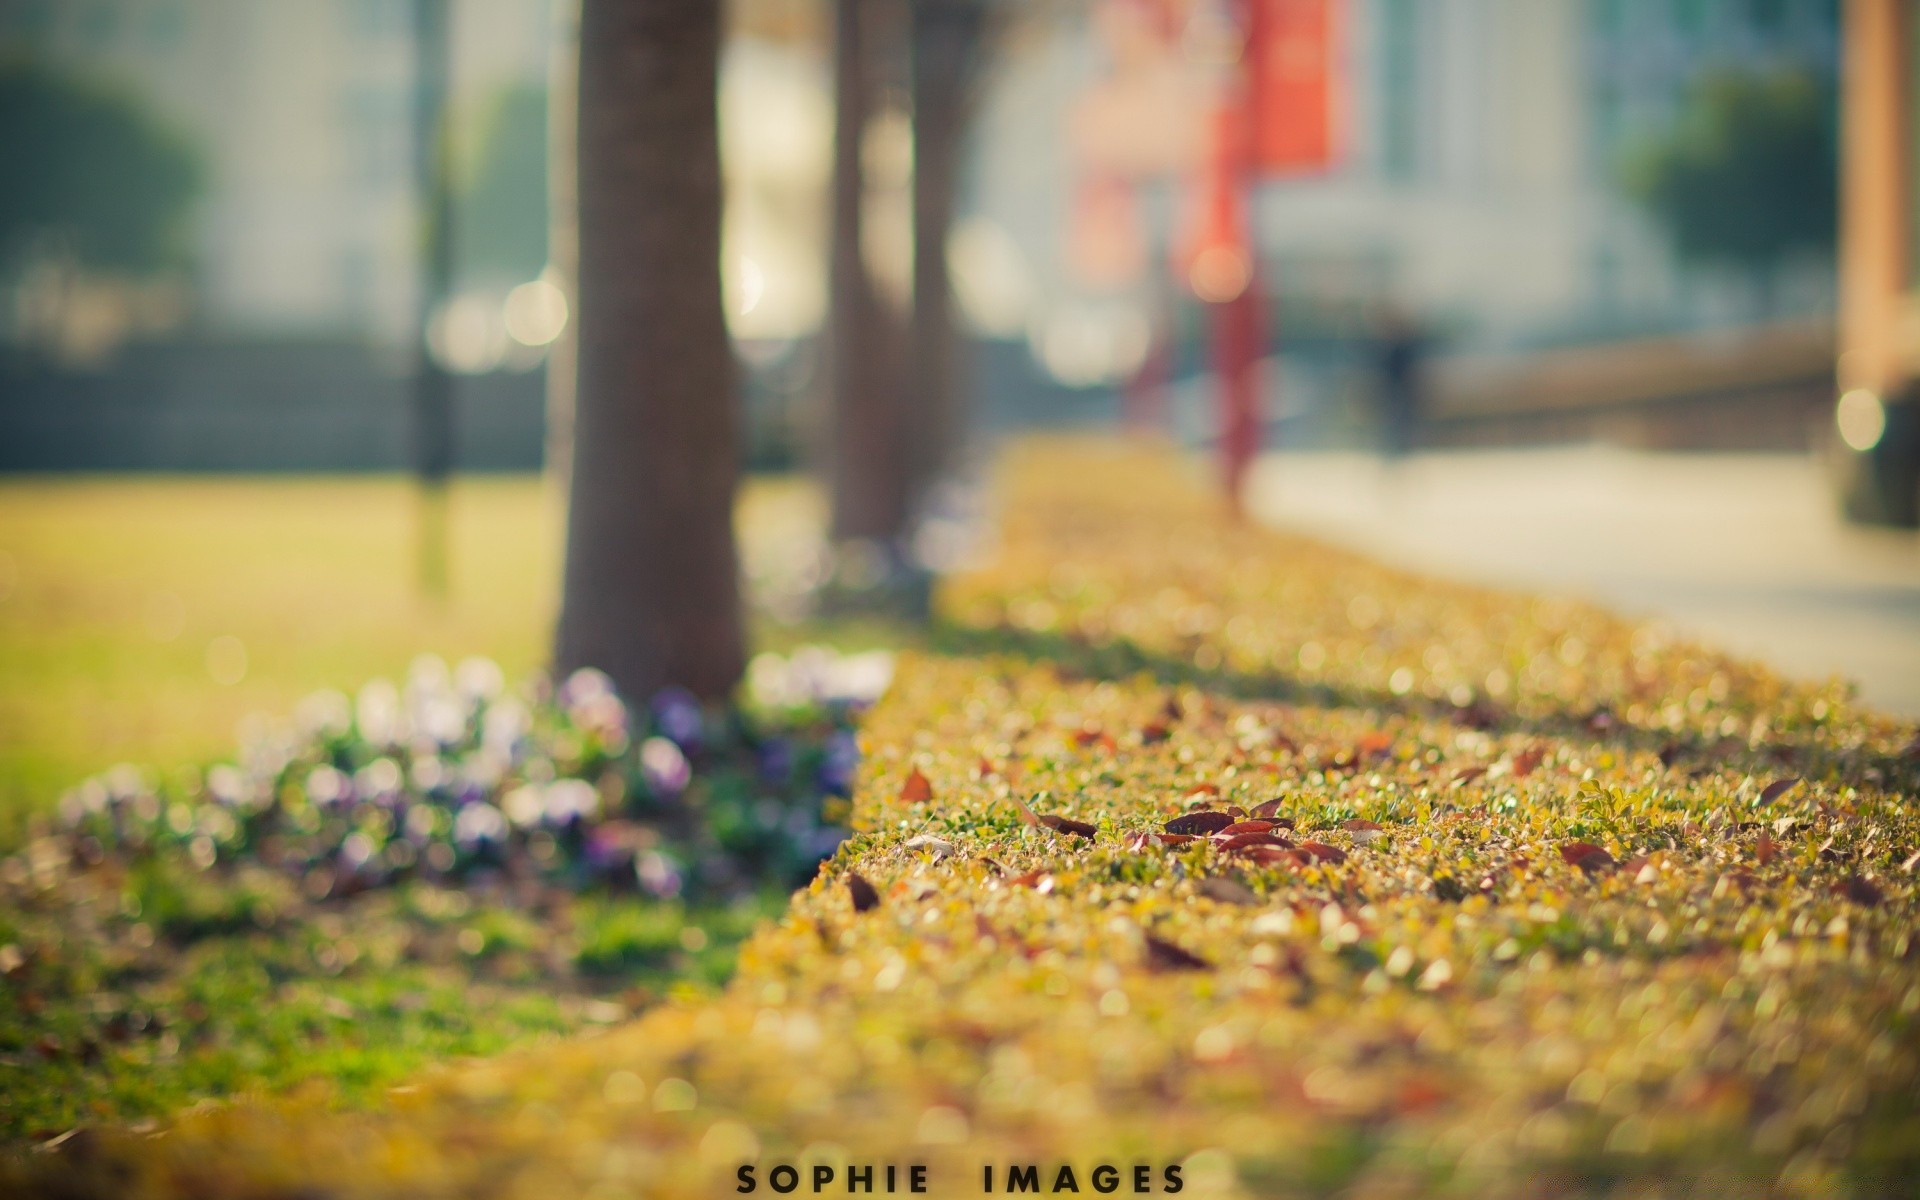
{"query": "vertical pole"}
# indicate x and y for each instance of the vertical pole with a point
(1239, 322)
(432, 385)
(1874, 191)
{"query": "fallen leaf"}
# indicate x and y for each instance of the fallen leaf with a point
(1201, 789)
(1777, 789)
(1266, 810)
(993, 865)
(1178, 839)
(1526, 761)
(1040, 881)
(1165, 956)
(1251, 826)
(1466, 775)
(938, 847)
(917, 789)
(864, 897)
(1586, 856)
(1241, 841)
(1324, 852)
(1276, 854)
(1155, 731)
(1201, 821)
(1860, 890)
(1068, 825)
(1226, 891)
(1373, 745)
(1364, 831)
(1763, 848)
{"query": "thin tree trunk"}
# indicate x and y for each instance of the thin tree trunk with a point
(946, 37)
(563, 232)
(868, 452)
(651, 586)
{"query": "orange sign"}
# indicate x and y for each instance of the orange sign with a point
(1297, 82)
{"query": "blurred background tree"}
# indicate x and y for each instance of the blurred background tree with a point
(91, 176)
(502, 230)
(1747, 177)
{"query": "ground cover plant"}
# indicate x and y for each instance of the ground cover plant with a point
(1210, 848)
(441, 869)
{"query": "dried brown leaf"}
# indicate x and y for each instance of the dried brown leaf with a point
(1323, 852)
(1068, 825)
(864, 897)
(1242, 841)
(1586, 856)
(1860, 890)
(917, 789)
(1163, 955)
(1201, 821)
(1777, 789)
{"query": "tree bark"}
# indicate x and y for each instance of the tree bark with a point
(651, 584)
(946, 39)
(868, 454)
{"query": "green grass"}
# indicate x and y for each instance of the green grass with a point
(126, 994)
(113, 590)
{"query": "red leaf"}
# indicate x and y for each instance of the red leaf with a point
(1165, 956)
(1203, 820)
(1202, 789)
(1242, 841)
(1466, 775)
(1249, 826)
(1586, 856)
(1526, 760)
(1276, 854)
(1176, 839)
(1155, 731)
(916, 790)
(1324, 852)
(1763, 848)
(1777, 789)
(1373, 745)
(864, 897)
(1266, 810)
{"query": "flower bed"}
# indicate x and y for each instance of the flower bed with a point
(1522, 899)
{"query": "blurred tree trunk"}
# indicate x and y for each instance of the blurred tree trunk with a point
(869, 460)
(651, 586)
(563, 233)
(946, 40)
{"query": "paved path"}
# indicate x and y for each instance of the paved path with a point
(1743, 550)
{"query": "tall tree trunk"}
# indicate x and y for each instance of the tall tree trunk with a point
(651, 585)
(868, 454)
(946, 38)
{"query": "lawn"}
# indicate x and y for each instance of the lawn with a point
(143, 619)
(149, 622)
(1524, 900)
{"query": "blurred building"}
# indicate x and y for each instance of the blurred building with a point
(1481, 180)
(302, 112)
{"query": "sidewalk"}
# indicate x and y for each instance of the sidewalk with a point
(1538, 910)
(1745, 551)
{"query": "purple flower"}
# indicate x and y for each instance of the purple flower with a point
(664, 767)
(775, 760)
(841, 760)
(658, 874)
(677, 715)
